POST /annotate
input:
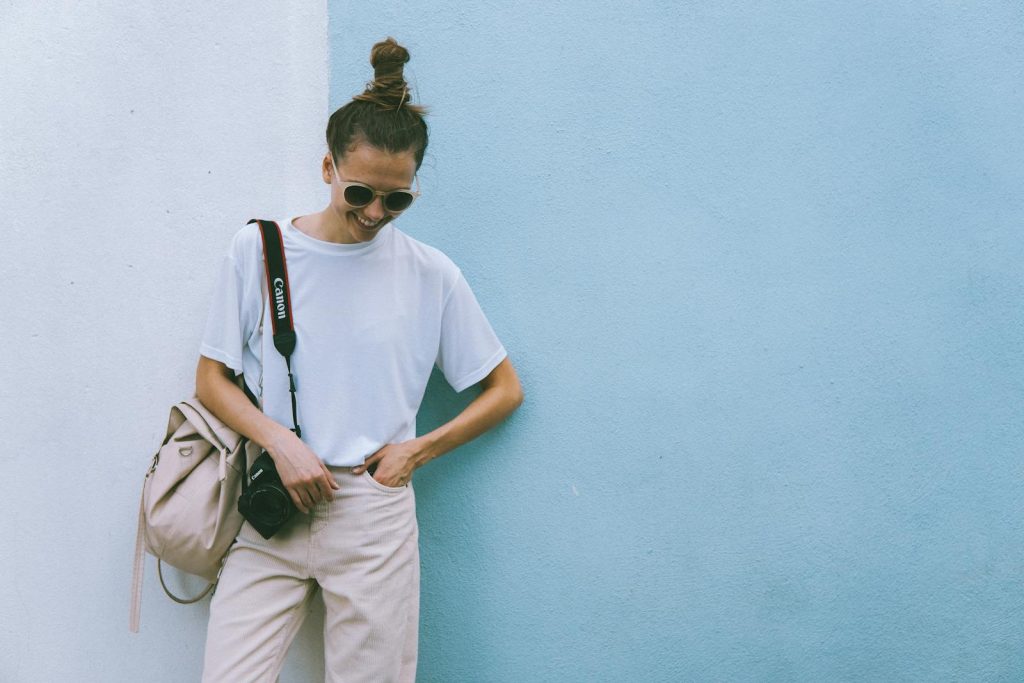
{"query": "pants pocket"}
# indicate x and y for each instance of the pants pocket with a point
(381, 487)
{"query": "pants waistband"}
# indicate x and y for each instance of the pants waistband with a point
(341, 468)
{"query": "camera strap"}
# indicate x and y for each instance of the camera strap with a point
(279, 294)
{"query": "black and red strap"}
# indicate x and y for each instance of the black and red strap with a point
(279, 293)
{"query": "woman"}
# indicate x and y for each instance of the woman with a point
(374, 310)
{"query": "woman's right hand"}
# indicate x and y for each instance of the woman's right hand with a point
(304, 475)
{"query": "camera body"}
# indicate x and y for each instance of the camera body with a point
(265, 502)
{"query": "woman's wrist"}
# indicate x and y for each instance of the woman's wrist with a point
(426, 450)
(275, 437)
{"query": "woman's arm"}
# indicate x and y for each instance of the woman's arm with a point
(501, 395)
(304, 475)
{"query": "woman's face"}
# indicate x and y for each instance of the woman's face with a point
(371, 166)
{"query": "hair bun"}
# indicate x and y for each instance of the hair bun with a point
(389, 89)
(387, 58)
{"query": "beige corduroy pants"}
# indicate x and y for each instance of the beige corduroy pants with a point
(361, 552)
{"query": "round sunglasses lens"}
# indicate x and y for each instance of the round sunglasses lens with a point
(397, 201)
(357, 195)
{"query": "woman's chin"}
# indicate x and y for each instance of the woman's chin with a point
(364, 233)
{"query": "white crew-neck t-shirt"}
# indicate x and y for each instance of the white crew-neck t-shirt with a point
(371, 321)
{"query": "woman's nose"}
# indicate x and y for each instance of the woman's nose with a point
(375, 209)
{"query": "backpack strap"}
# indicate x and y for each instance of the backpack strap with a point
(183, 601)
(137, 568)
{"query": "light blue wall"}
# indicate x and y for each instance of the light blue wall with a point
(759, 265)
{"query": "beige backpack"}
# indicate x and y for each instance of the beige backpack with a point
(188, 516)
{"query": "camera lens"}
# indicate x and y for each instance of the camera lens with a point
(270, 506)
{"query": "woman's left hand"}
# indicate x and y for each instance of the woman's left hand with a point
(395, 463)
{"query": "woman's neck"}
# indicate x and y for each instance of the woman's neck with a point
(323, 226)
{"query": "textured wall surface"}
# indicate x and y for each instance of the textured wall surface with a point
(135, 139)
(760, 267)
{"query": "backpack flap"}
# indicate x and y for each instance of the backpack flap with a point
(191, 493)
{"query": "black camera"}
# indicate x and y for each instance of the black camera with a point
(265, 502)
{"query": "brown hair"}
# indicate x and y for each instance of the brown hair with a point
(382, 115)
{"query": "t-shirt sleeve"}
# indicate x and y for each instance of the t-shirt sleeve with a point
(469, 349)
(229, 324)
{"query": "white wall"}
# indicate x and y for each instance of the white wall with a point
(135, 139)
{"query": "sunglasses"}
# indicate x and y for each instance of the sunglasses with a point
(395, 201)
(359, 195)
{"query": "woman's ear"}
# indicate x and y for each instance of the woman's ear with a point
(325, 168)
